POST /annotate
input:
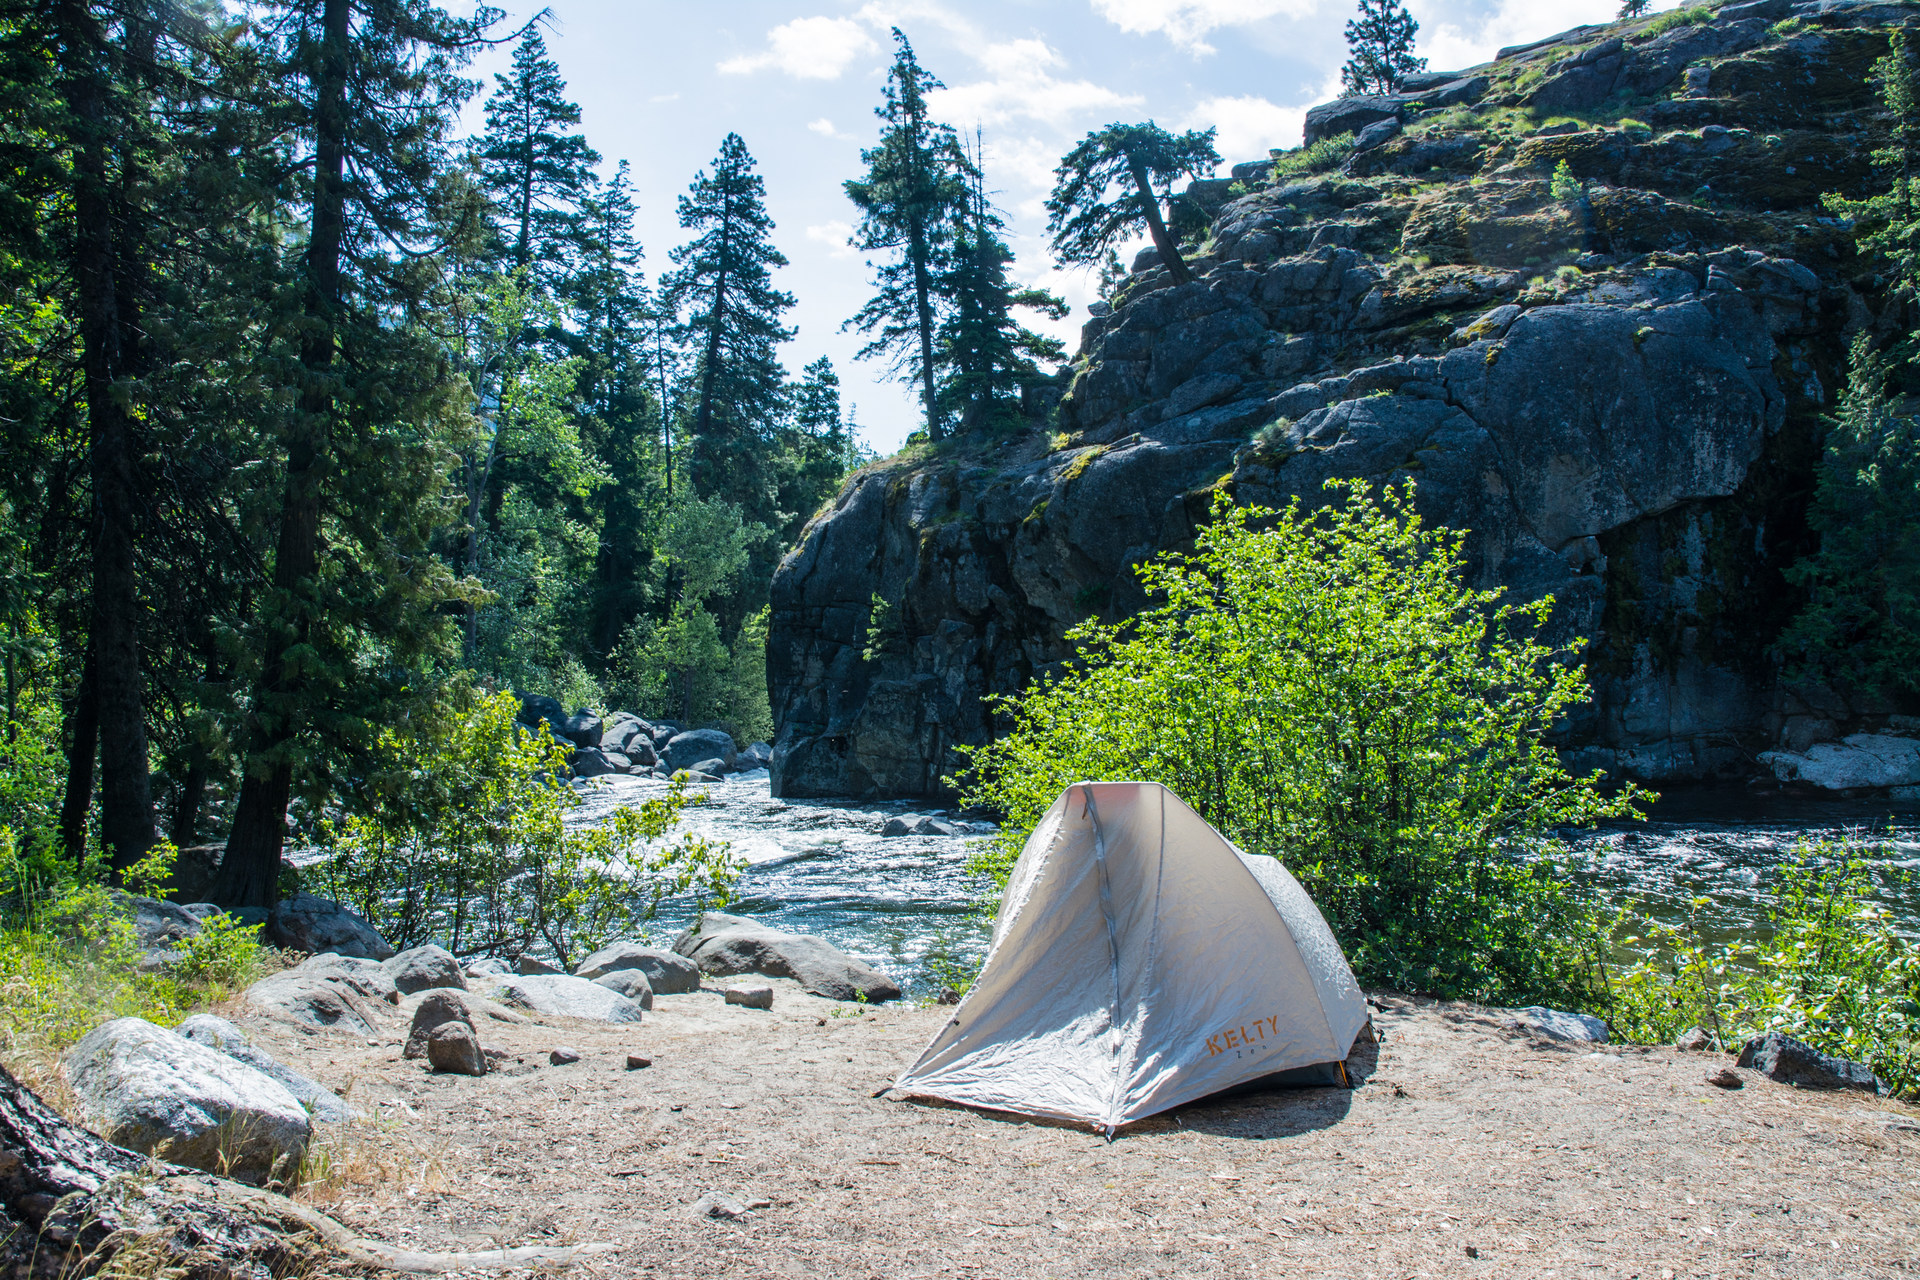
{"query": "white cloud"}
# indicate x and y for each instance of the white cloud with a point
(808, 48)
(1187, 22)
(822, 126)
(1021, 84)
(834, 235)
(1249, 126)
(1455, 45)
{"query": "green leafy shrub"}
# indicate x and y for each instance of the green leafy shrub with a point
(1564, 186)
(1674, 19)
(1828, 970)
(1315, 157)
(461, 838)
(1325, 688)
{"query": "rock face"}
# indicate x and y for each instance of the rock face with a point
(733, 944)
(322, 1103)
(307, 923)
(1618, 394)
(149, 1090)
(1862, 760)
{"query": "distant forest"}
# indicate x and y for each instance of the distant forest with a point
(317, 415)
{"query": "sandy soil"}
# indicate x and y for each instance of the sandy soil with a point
(1467, 1150)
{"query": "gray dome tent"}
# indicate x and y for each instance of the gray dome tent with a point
(1139, 962)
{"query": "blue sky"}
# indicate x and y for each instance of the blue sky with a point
(660, 84)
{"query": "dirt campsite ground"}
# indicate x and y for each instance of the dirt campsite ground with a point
(1468, 1149)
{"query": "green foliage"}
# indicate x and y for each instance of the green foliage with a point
(462, 839)
(1144, 161)
(534, 165)
(1861, 621)
(1673, 19)
(1886, 222)
(1634, 8)
(1314, 157)
(1828, 969)
(1564, 186)
(1380, 48)
(1324, 688)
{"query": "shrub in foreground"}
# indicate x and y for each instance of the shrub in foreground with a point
(1325, 688)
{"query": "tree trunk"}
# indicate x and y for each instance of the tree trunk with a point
(1162, 239)
(83, 738)
(250, 871)
(922, 287)
(126, 797)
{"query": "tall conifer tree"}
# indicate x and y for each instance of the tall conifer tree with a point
(356, 599)
(914, 185)
(534, 163)
(1380, 48)
(732, 316)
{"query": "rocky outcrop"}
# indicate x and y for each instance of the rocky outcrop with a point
(1617, 390)
(726, 945)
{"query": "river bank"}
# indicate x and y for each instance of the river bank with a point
(1468, 1149)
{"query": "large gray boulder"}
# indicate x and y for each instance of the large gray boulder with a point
(667, 972)
(420, 968)
(438, 1008)
(733, 944)
(452, 1047)
(151, 1091)
(314, 1001)
(157, 926)
(1558, 1024)
(369, 978)
(309, 923)
(535, 707)
(222, 1036)
(582, 728)
(592, 762)
(630, 983)
(1779, 1056)
(559, 996)
(685, 750)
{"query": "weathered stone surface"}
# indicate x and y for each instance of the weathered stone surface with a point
(419, 968)
(1862, 760)
(369, 978)
(750, 997)
(308, 923)
(630, 983)
(452, 1047)
(217, 1033)
(592, 762)
(1350, 115)
(734, 944)
(666, 972)
(1779, 1056)
(533, 965)
(314, 1001)
(1558, 1024)
(563, 1056)
(686, 750)
(152, 1091)
(566, 997)
(434, 1011)
(535, 708)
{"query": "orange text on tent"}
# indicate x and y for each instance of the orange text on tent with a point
(1242, 1036)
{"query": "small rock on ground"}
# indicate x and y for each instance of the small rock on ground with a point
(635, 1062)
(1779, 1056)
(1726, 1078)
(437, 1009)
(718, 1204)
(751, 997)
(1693, 1040)
(423, 968)
(453, 1048)
(562, 1056)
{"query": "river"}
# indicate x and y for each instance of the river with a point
(906, 903)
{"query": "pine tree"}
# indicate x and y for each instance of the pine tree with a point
(723, 289)
(914, 185)
(356, 602)
(1145, 160)
(820, 448)
(1887, 222)
(985, 352)
(534, 164)
(1634, 8)
(1380, 48)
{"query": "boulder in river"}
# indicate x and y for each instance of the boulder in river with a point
(592, 762)
(309, 923)
(734, 944)
(1779, 1056)
(536, 707)
(222, 1036)
(560, 996)
(667, 972)
(686, 750)
(583, 729)
(420, 968)
(149, 1090)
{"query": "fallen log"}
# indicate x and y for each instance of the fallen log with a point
(72, 1202)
